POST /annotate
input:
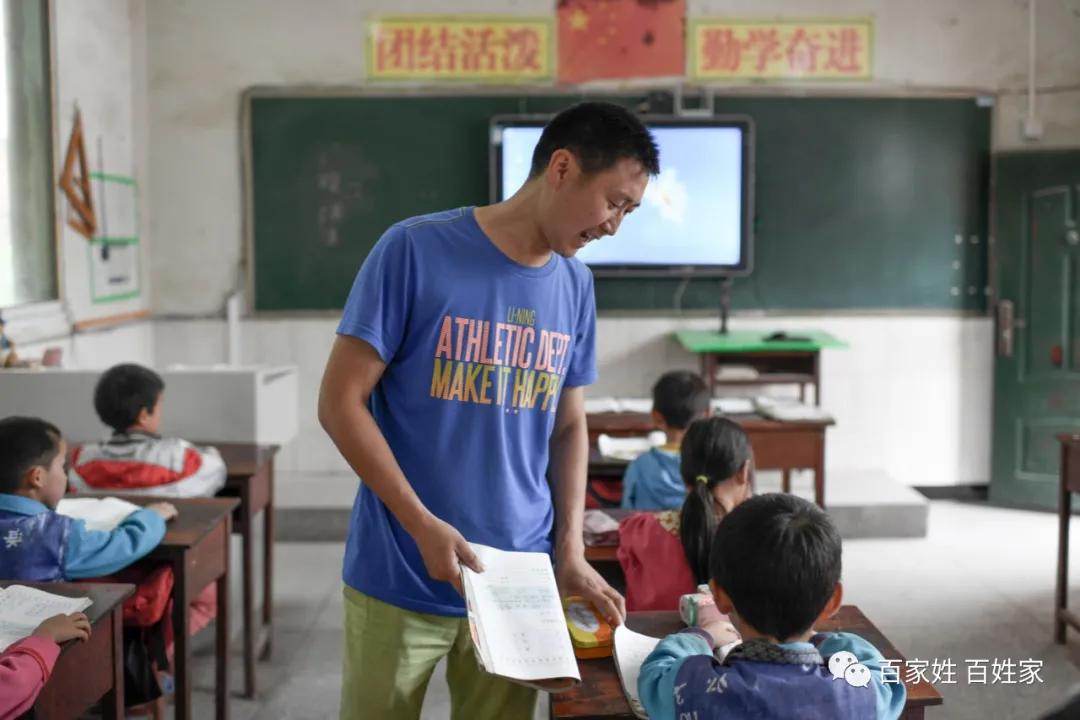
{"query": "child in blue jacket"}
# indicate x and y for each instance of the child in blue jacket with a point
(775, 569)
(39, 544)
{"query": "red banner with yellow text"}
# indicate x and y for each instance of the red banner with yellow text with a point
(465, 48)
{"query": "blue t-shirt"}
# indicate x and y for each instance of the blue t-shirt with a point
(653, 482)
(477, 349)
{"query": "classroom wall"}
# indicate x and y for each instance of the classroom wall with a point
(911, 395)
(100, 64)
(100, 48)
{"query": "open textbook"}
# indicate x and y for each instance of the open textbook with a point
(516, 619)
(99, 513)
(23, 608)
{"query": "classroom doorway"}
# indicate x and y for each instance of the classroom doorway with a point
(1037, 322)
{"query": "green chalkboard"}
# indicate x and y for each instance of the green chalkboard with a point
(861, 203)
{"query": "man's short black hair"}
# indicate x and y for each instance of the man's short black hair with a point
(25, 442)
(599, 134)
(777, 557)
(123, 392)
(680, 397)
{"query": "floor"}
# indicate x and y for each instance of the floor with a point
(978, 586)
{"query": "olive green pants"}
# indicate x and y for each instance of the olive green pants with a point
(390, 654)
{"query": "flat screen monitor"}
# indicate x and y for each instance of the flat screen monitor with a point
(696, 215)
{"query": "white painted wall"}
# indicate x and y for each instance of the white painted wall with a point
(100, 56)
(912, 395)
(100, 64)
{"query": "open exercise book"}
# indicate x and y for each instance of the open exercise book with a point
(23, 608)
(630, 651)
(516, 619)
(99, 513)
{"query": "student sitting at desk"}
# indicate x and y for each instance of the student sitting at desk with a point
(42, 545)
(652, 481)
(136, 460)
(26, 665)
(666, 554)
(775, 570)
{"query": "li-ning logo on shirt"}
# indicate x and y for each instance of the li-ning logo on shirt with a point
(509, 364)
(13, 538)
(844, 665)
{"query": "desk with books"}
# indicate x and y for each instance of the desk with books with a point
(600, 695)
(777, 445)
(87, 674)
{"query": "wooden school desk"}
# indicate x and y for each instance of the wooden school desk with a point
(250, 478)
(600, 695)
(784, 362)
(91, 672)
(196, 547)
(1068, 483)
(777, 445)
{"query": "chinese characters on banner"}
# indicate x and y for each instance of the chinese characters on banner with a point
(616, 39)
(478, 49)
(784, 50)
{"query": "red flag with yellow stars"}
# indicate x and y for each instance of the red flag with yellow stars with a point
(618, 39)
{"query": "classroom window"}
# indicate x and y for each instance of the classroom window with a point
(28, 269)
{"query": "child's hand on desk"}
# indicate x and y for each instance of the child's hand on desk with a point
(722, 633)
(61, 628)
(166, 510)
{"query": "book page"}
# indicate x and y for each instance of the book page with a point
(628, 448)
(631, 649)
(518, 616)
(99, 513)
(601, 405)
(23, 608)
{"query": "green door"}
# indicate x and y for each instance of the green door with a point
(1037, 328)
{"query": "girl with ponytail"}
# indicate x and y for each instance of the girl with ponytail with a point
(716, 468)
(666, 554)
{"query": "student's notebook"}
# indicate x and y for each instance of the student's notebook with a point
(23, 608)
(516, 619)
(630, 651)
(99, 513)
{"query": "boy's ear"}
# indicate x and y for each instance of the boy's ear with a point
(34, 478)
(834, 603)
(657, 419)
(723, 602)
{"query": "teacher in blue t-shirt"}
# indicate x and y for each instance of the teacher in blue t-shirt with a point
(455, 383)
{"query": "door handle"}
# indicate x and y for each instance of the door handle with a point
(1006, 322)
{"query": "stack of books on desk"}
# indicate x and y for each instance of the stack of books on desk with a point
(790, 410)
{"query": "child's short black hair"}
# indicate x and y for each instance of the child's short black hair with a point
(25, 442)
(680, 397)
(125, 390)
(777, 557)
(599, 134)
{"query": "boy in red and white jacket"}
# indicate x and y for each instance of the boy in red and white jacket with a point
(136, 459)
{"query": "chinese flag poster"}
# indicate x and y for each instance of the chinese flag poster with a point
(619, 39)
